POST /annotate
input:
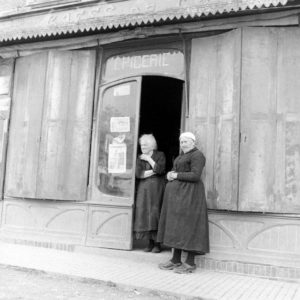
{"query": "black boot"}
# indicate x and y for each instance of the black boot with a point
(157, 248)
(150, 246)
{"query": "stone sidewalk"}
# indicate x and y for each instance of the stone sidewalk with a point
(139, 270)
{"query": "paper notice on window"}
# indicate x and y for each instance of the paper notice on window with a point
(119, 124)
(4, 85)
(122, 90)
(117, 158)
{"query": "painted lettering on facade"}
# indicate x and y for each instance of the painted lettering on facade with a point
(102, 9)
(141, 61)
(110, 9)
(107, 8)
(169, 63)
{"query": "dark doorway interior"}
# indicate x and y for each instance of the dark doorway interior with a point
(160, 113)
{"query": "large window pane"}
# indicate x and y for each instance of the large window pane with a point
(117, 139)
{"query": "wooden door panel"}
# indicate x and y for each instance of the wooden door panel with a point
(25, 126)
(50, 131)
(287, 166)
(270, 121)
(114, 159)
(257, 120)
(6, 75)
(214, 113)
(65, 146)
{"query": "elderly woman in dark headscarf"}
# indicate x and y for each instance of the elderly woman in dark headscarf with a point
(150, 170)
(183, 223)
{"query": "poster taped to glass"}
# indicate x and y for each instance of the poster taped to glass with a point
(117, 158)
(119, 124)
(122, 90)
(4, 84)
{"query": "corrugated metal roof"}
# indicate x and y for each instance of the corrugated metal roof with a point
(114, 15)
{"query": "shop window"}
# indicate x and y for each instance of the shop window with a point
(117, 139)
(49, 140)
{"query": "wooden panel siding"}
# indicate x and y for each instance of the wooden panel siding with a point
(287, 168)
(6, 73)
(270, 121)
(67, 126)
(25, 126)
(214, 99)
(50, 131)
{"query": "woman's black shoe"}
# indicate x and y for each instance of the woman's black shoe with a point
(150, 246)
(156, 248)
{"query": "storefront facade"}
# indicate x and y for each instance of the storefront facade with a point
(79, 82)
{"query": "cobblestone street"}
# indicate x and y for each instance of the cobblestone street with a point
(17, 283)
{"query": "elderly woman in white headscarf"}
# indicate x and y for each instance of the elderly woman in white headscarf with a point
(184, 223)
(150, 171)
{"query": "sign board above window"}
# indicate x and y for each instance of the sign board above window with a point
(164, 62)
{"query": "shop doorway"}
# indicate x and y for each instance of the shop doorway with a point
(161, 113)
(128, 108)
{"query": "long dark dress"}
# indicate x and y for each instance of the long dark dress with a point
(149, 196)
(183, 221)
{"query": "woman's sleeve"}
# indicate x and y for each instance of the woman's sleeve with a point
(139, 171)
(197, 165)
(160, 164)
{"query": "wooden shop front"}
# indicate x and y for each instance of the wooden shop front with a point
(74, 102)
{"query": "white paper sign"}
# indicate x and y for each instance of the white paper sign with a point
(117, 158)
(119, 124)
(4, 85)
(122, 90)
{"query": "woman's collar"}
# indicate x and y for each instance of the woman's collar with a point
(193, 149)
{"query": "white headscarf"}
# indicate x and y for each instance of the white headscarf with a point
(188, 135)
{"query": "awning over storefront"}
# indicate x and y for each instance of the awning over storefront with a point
(31, 21)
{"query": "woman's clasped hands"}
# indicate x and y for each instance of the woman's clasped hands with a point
(171, 176)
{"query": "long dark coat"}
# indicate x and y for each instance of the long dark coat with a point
(149, 193)
(184, 222)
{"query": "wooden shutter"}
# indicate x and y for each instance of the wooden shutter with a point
(66, 132)
(214, 113)
(50, 130)
(270, 120)
(6, 72)
(25, 126)
(287, 168)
